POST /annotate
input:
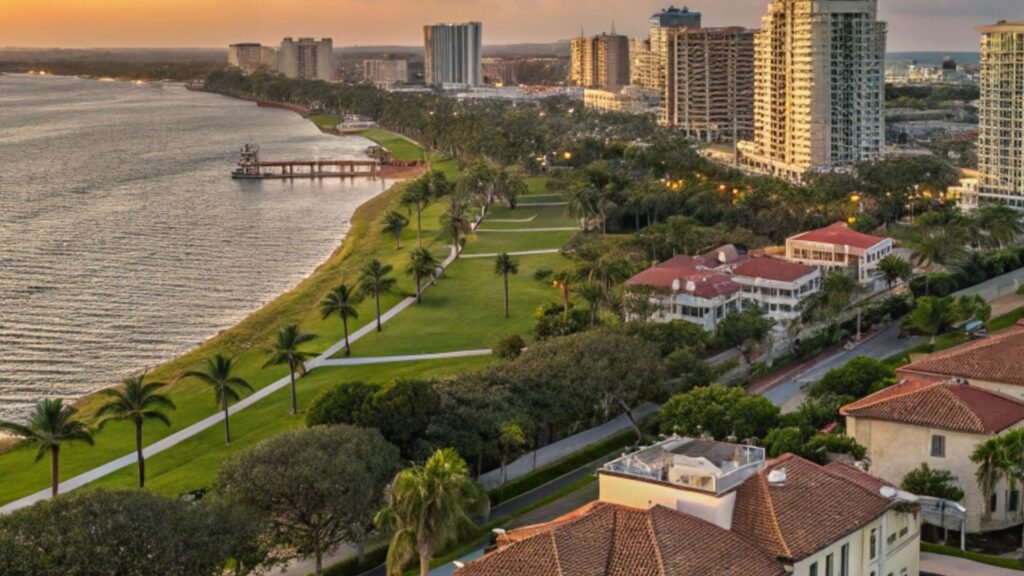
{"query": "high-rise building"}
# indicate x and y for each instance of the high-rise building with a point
(1000, 118)
(386, 72)
(499, 71)
(709, 87)
(649, 57)
(819, 88)
(453, 54)
(252, 56)
(307, 58)
(600, 61)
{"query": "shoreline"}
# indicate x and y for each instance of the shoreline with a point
(391, 180)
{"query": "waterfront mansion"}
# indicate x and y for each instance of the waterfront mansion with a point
(838, 248)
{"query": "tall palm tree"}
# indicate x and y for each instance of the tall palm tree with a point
(225, 385)
(583, 201)
(593, 294)
(503, 266)
(286, 351)
(416, 195)
(395, 224)
(428, 506)
(136, 401)
(564, 281)
(1000, 224)
(932, 316)
(375, 279)
(838, 292)
(990, 456)
(50, 425)
(341, 301)
(455, 221)
(421, 265)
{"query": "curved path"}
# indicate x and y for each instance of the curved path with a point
(180, 436)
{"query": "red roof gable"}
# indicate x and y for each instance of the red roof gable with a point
(773, 269)
(840, 234)
(706, 283)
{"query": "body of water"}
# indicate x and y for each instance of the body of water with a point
(123, 240)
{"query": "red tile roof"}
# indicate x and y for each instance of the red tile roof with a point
(813, 508)
(841, 235)
(944, 405)
(611, 540)
(706, 283)
(998, 358)
(769, 268)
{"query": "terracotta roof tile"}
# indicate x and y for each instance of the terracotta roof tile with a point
(773, 269)
(813, 508)
(945, 405)
(840, 234)
(998, 358)
(611, 540)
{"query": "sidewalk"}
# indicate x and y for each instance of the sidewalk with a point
(943, 565)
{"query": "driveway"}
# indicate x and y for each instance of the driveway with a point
(942, 565)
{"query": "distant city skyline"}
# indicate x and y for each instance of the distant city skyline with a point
(915, 25)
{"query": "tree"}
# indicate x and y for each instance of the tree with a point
(691, 371)
(744, 331)
(421, 265)
(132, 532)
(784, 440)
(718, 412)
(218, 375)
(320, 487)
(455, 221)
(838, 291)
(509, 348)
(858, 378)
(1000, 224)
(970, 308)
(286, 351)
(375, 279)
(509, 186)
(895, 269)
(821, 445)
(341, 404)
(511, 439)
(395, 224)
(50, 425)
(925, 481)
(417, 195)
(341, 301)
(428, 506)
(136, 401)
(564, 281)
(932, 316)
(503, 266)
(990, 456)
(593, 295)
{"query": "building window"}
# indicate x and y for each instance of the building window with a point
(938, 446)
(873, 544)
(993, 502)
(814, 569)
(1014, 502)
(844, 560)
(828, 565)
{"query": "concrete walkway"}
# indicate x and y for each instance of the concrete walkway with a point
(409, 358)
(943, 565)
(215, 419)
(527, 230)
(524, 253)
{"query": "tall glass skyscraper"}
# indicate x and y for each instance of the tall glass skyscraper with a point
(453, 54)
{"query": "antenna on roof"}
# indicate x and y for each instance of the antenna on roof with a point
(613, 28)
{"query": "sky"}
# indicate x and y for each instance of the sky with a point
(914, 25)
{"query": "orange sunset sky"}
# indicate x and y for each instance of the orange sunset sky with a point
(914, 24)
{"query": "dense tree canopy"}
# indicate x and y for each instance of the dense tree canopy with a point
(718, 412)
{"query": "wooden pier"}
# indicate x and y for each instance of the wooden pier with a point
(250, 167)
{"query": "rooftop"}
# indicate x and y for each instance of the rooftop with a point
(1003, 26)
(769, 268)
(804, 507)
(998, 358)
(946, 405)
(696, 276)
(611, 540)
(840, 234)
(702, 465)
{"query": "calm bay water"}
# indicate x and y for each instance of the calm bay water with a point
(123, 241)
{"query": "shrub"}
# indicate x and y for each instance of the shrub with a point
(509, 348)
(719, 412)
(691, 371)
(543, 274)
(782, 440)
(820, 446)
(858, 378)
(925, 481)
(938, 284)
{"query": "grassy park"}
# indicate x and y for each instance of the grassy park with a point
(464, 311)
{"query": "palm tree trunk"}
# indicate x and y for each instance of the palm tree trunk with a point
(419, 225)
(565, 300)
(377, 294)
(227, 423)
(419, 291)
(344, 323)
(506, 296)
(138, 451)
(398, 241)
(54, 469)
(424, 562)
(295, 401)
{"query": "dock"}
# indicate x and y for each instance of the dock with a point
(250, 167)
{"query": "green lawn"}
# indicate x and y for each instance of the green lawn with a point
(401, 147)
(465, 310)
(192, 465)
(497, 242)
(540, 199)
(327, 121)
(538, 216)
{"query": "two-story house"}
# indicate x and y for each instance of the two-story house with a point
(839, 248)
(775, 286)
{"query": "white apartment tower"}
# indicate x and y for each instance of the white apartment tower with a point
(819, 88)
(453, 54)
(1001, 117)
(307, 58)
(252, 56)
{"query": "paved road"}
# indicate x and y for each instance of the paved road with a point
(952, 566)
(883, 345)
(215, 419)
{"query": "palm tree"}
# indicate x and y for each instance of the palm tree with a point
(421, 265)
(428, 506)
(511, 439)
(593, 294)
(455, 221)
(374, 279)
(895, 269)
(50, 425)
(417, 194)
(563, 281)
(395, 224)
(341, 301)
(932, 316)
(1000, 224)
(583, 202)
(286, 351)
(990, 456)
(838, 291)
(503, 266)
(135, 402)
(218, 376)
